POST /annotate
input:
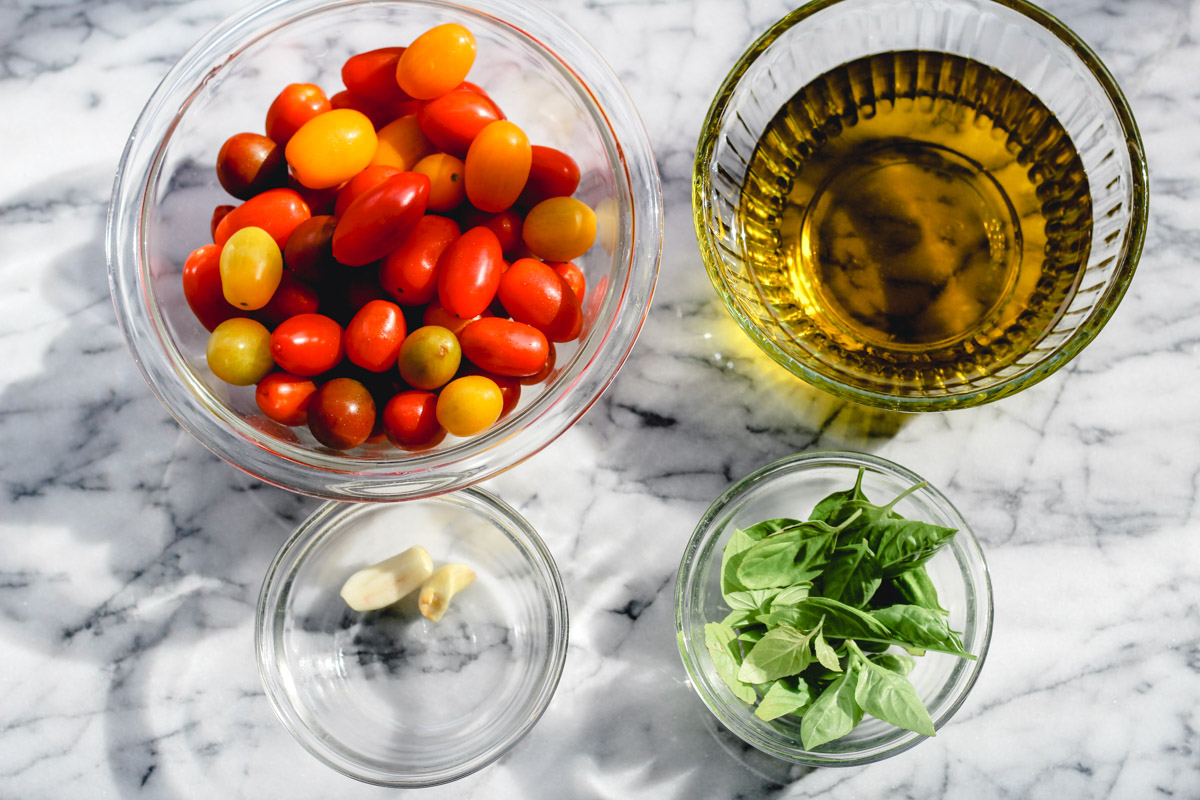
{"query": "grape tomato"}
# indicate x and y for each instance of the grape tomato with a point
(251, 268)
(284, 397)
(469, 405)
(331, 148)
(239, 351)
(452, 121)
(276, 211)
(374, 336)
(250, 163)
(559, 229)
(307, 344)
(409, 273)
(380, 218)
(294, 106)
(469, 273)
(436, 62)
(505, 346)
(341, 414)
(497, 166)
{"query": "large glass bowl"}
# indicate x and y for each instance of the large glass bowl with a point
(790, 488)
(544, 76)
(1012, 36)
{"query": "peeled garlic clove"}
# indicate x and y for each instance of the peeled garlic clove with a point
(388, 581)
(436, 592)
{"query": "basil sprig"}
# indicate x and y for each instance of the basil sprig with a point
(816, 605)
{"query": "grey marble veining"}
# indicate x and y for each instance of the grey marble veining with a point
(130, 558)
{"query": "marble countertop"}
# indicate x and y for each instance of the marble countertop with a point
(131, 558)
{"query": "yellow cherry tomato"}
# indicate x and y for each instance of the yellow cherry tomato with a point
(401, 144)
(251, 268)
(437, 61)
(429, 357)
(331, 148)
(445, 172)
(559, 229)
(497, 166)
(239, 351)
(469, 405)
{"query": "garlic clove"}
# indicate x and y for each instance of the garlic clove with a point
(388, 581)
(446, 582)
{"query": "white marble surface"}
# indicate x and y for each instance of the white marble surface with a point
(130, 558)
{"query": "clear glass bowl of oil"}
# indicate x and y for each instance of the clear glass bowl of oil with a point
(920, 205)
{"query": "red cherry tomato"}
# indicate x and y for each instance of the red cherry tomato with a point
(410, 420)
(543, 373)
(250, 163)
(291, 297)
(284, 398)
(436, 315)
(202, 287)
(341, 414)
(453, 120)
(505, 346)
(409, 273)
(276, 211)
(552, 173)
(367, 179)
(497, 166)
(309, 250)
(380, 114)
(380, 219)
(373, 75)
(363, 289)
(572, 274)
(307, 344)
(374, 336)
(535, 294)
(295, 105)
(219, 213)
(469, 273)
(506, 225)
(320, 201)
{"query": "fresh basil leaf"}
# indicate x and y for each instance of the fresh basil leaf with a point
(790, 595)
(901, 665)
(750, 599)
(916, 589)
(784, 697)
(834, 713)
(825, 654)
(827, 510)
(787, 558)
(902, 544)
(919, 628)
(751, 636)
(780, 653)
(887, 696)
(840, 620)
(852, 574)
(727, 658)
(741, 617)
(741, 541)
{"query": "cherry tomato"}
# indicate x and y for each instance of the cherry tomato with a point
(434, 314)
(445, 173)
(436, 62)
(341, 414)
(319, 201)
(469, 405)
(573, 275)
(535, 294)
(364, 289)
(379, 219)
(429, 357)
(410, 420)
(307, 344)
(309, 250)
(506, 225)
(380, 114)
(276, 211)
(497, 166)
(373, 75)
(559, 229)
(409, 273)
(552, 173)
(367, 179)
(510, 388)
(331, 148)
(295, 105)
(291, 298)
(239, 351)
(219, 213)
(250, 163)
(452, 121)
(251, 268)
(543, 373)
(401, 144)
(505, 346)
(469, 273)
(374, 336)
(284, 398)
(202, 287)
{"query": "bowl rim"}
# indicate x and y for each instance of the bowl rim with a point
(964, 540)
(1130, 256)
(402, 475)
(326, 522)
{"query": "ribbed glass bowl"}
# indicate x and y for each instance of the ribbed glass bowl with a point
(1012, 36)
(791, 487)
(387, 696)
(545, 77)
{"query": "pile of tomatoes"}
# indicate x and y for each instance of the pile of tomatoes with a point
(402, 262)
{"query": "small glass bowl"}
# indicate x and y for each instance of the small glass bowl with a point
(1014, 37)
(790, 488)
(387, 696)
(543, 75)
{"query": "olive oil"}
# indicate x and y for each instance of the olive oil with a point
(916, 220)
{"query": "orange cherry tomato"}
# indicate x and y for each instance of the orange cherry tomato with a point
(535, 294)
(409, 273)
(436, 62)
(307, 344)
(374, 336)
(469, 273)
(445, 173)
(559, 229)
(573, 275)
(378, 221)
(468, 405)
(202, 287)
(251, 268)
(276, 211)
(401, 144)
(308, 253)
(497, 166)
(373, 75)
(331, 148)
(434, 314)
(452, 121)
(250, 163)
(284, 397)
(510, 388)
(367, 179)
(294, 106)
(341, 414)
(552, 173)
(410, 420)
(505, 346)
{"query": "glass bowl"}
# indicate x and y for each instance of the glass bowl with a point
(777, 308)
(790, 488)
(544, 76)
(387, 696)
